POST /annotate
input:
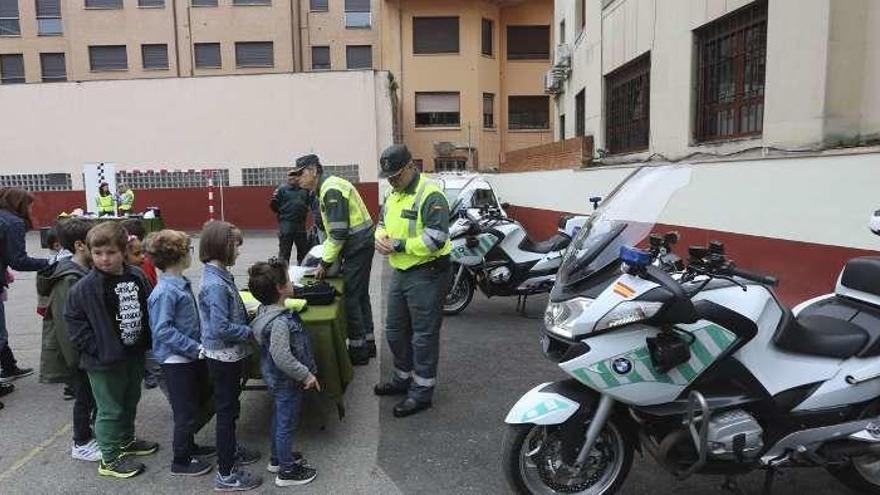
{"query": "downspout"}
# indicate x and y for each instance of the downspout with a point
(296, 37)
(400, 78)
(176, 36)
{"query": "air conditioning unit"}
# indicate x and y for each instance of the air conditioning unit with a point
(563, 55)
(552, 82)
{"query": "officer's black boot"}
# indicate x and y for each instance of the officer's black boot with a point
(360, 356)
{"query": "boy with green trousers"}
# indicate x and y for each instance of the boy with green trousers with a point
(106, 315)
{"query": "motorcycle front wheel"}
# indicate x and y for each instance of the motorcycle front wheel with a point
(533, 462)
(458, 298)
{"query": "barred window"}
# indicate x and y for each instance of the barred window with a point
(38, 182)
(273, 176)
(731, 58)
(171, 179)
(628, 105)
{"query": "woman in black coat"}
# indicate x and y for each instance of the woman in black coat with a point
(15, 220)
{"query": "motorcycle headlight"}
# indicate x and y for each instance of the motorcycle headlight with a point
(628, 312)
(559, 317)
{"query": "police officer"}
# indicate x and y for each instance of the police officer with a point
(125, 200)
(413, 232)
(105, 201)
(291, 205)
(349, 238)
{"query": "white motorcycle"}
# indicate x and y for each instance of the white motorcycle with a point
(705, 370)
(495, 254)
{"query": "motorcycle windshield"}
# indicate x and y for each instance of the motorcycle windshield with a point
(626, 217)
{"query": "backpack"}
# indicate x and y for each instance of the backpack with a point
(317, 293)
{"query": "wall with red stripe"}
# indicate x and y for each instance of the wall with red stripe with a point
(187, 208)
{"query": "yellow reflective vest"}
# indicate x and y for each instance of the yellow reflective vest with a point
(339, 228)
(401, 219)
(126, 201)
(106, 204)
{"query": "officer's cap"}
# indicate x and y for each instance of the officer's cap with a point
(393, 159)
(305, 161)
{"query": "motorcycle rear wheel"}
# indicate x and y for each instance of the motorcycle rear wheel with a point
(861, 474)
(456, 302)
(531, 467)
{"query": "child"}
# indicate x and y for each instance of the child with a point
(174, 319)
(106, 315)
(134, 256)
(60, 278)
(52, 365)
(287, 365)
(224, 333)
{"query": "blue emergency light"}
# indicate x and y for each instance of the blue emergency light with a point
(635, 256)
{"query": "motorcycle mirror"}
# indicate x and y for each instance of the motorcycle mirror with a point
(595, 200)
(671, 237)
(875, 223)
(505, 205)
(716, 247)
(697, 252)
(655, 240)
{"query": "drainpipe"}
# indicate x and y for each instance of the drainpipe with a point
(400, 79)
(176, 37)
(296, 37)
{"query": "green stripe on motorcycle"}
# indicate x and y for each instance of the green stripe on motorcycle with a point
(702, 354)
(584, 376)
(687, 371)
(606, 374)
(720, 336)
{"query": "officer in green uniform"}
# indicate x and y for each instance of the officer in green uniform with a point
(413, 232)
(291, 205)
(349, 238)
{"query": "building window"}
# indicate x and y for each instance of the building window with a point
(580, 113)
(9, 20)
(419, 163)
(53, 67)
(208, 56)
(435, 35)
(731, 57)
(254, 54)
(487, 37)
(318, 6)
(103, 4)
(154, 56)
(446, 164)
(562, 31)
(528, 112)
(204, 3)
(108, 57)
(488, 111)
(272, 176)
(49, 18)
(438, 110)
(251, 2)
(320, 58)
(359, 57)
(528, 42)
(562, 127)
(38, 182)
(628, 101)
(580, 13)
(172, 179)
(151, 4)
(357, 14)
(12, 69)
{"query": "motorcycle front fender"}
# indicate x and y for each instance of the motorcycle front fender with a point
(551, 403)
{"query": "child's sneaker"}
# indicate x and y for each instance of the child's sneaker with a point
(237, 481)
(244, 456)
(203, 451)
(299, 475)
(274, 467)
(196, 467)
(88, 452)
(140, 447)
(124, 467)
(68, 393)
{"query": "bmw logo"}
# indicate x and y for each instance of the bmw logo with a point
(622, 366)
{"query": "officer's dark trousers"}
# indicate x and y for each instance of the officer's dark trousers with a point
(286, 242)
(415, 302)
(357, 262)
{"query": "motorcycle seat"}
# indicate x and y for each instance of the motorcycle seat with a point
(821, 335)
(860, 276)
(555, 243)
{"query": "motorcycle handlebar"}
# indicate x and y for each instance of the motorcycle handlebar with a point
(754, 277)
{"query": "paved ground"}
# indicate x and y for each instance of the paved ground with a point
(489, 358)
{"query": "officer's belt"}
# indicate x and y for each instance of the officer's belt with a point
(439, 263)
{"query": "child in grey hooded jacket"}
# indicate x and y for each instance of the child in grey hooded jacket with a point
(287, 365)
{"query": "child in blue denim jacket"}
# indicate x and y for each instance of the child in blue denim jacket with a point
(224, 334)
(287, 364)
(177, 335)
